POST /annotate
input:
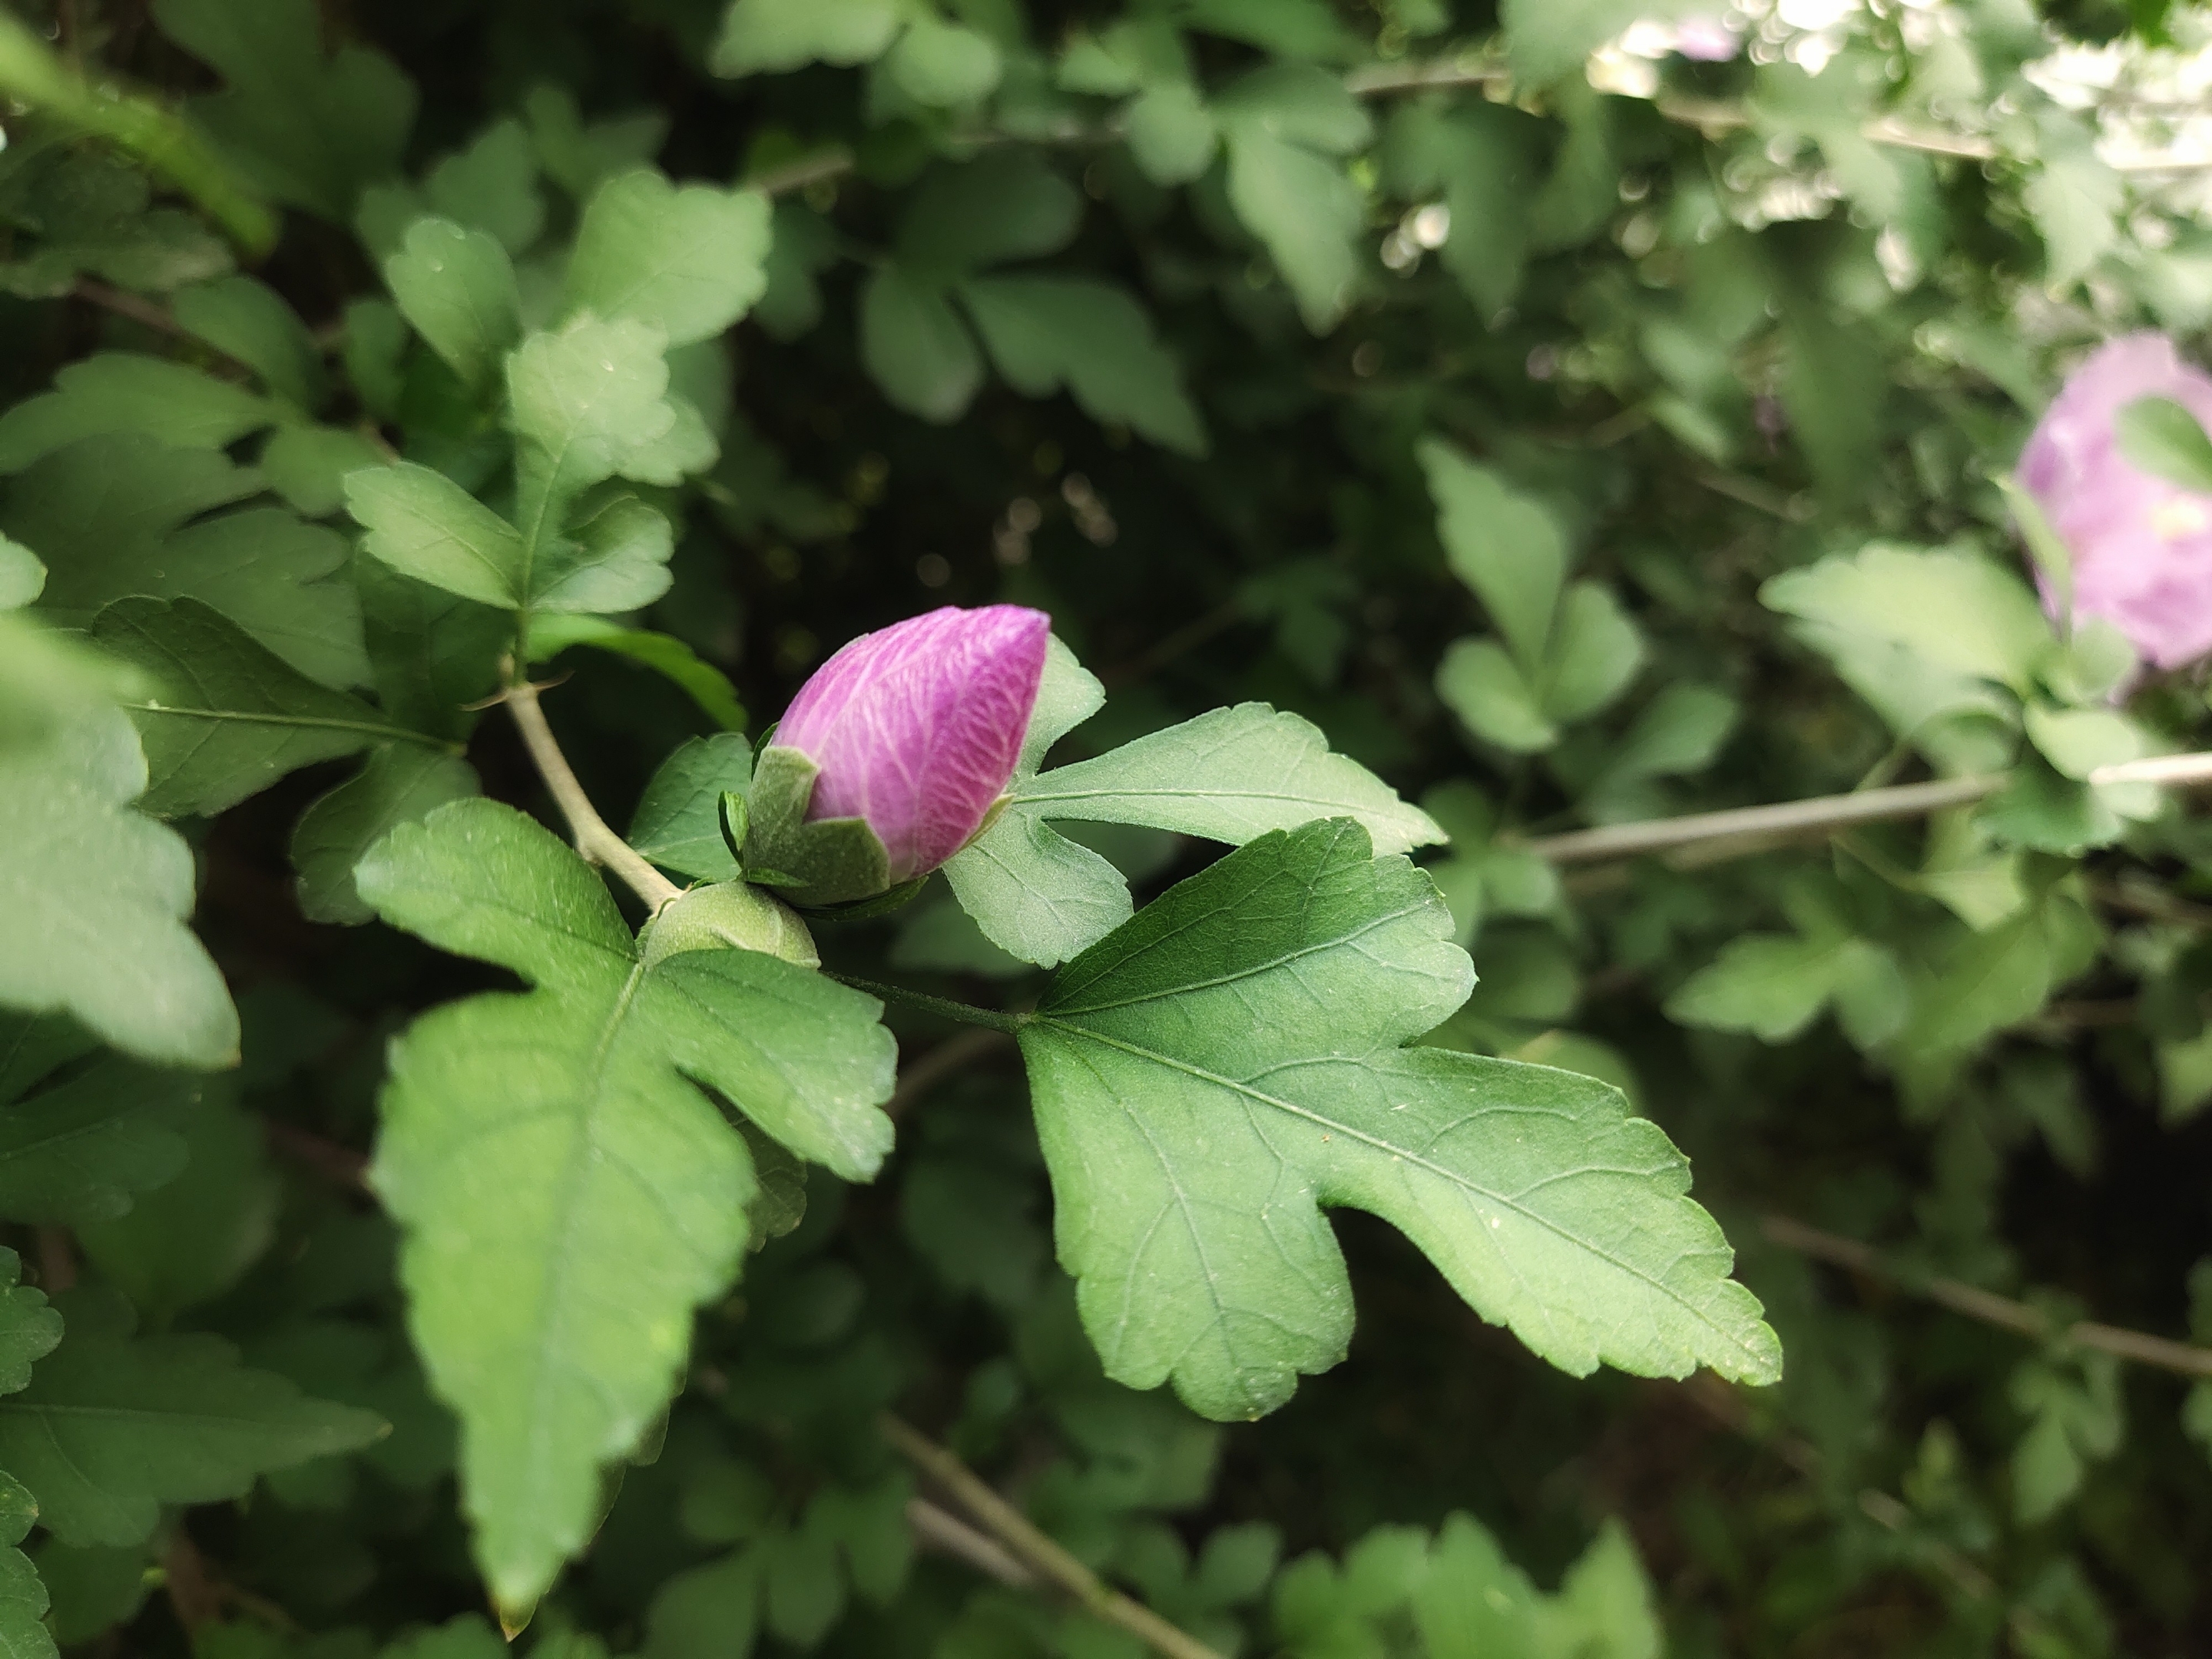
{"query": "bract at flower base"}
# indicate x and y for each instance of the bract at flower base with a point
(822, 862)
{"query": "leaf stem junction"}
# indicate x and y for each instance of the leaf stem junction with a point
(595, 839)
(967, 1013)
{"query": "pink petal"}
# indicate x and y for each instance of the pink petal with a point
(2142, 546)
(916, 727)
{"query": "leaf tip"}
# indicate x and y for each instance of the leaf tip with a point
(1761, 1364)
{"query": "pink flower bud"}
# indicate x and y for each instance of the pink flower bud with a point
(2142, 547)
(916, 726)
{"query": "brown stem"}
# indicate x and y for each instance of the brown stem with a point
(2152, 903)
(56, 1260)
(1048, 1560)
(1752, 828)
(592, 836)
(1419, 75)
(832, 163)
(193, 1595)
(341, 1165)
(942, 1529)
(148, 314)
(1986, 1305)
(123, 304)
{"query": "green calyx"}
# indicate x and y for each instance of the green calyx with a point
(833, 862)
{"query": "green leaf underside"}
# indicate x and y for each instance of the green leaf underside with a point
(1047, 331)
(687, 260)
(119, 391)
(398, 783)
(1230, 775)
(679, 818)
(1210, 1076)
(227, 717)
(76, 1145)
(456, 287)
(93, 899)
(28, 1328)
(23, 1632)
(112, 1428)
(1947, 607)
(28, 1331)
(1035, 893)
(1227, 775)
(120, 515)
(567, 1195)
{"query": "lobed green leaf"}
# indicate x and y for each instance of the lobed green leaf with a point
(568, 1191)
(1212, 1075)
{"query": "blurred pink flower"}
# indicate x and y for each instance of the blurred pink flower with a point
(1706, 41)
(916, 727)
(2142, 547)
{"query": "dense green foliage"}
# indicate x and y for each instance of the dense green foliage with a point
(1438, 431)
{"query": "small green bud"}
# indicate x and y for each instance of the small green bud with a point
(726, 915)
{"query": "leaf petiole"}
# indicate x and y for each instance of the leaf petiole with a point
(594, 836)
(967, 1013)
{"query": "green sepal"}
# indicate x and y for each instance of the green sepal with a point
(831, 861)
(736, 819)
(724, 914)
(895, 898)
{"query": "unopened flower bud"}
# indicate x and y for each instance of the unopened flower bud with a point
(2140, 546)
(915, 729)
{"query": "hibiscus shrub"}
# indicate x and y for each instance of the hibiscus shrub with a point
(938, 827)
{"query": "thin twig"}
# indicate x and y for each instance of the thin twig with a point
(2086, 1014)
(124, 304)
(1763, 498)
(593, 838)
(818, 168)
(2152, 903)
(1822, 815)
(56, 1260)
(341, 1165)
(953, 1054)
(194, 1596)
(949, 1533)
(1418, 75)
(1819, 815)
(1987, 1306)
(1712, 116)
(1387, 80)
(1047, 1560)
